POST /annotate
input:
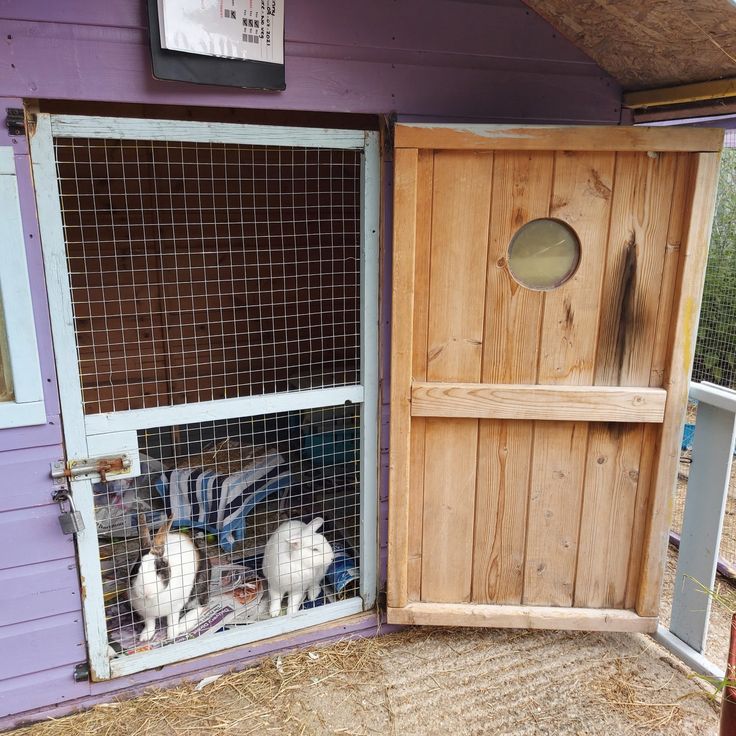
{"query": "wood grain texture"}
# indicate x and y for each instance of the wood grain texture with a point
(581, 197)
(554, 513)
(504, 458)
(520, 617)
(558, 403)
(637, 243)
(405, 192)
(611, 479)
(510, 344)
(688, 293)
(425, 172)
(557, 138)
(652, 435)
(628, 325)
(460, 213)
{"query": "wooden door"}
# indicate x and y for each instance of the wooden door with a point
(535, 433)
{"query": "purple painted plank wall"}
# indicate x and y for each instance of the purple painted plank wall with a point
(424, 59)
(490, 60)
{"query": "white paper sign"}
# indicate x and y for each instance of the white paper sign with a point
(232, 29)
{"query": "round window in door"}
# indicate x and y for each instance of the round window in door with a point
(544, 254)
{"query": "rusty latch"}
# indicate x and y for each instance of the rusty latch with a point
(102, 466)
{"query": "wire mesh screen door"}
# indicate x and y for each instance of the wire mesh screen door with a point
(214, 307)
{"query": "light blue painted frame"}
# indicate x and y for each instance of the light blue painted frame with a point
(702, 523)
(77, 427)
(26, 406)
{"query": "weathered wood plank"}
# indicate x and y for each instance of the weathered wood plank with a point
(650, 444)
(520, 617)
(510, 345)
(626, 335)
(677, 377)
(557, 403)
(556, 138)
(460, 215)
(405, 192)
(611, 477)
(581, 197)
(423, 242)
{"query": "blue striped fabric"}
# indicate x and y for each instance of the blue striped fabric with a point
(220, 504)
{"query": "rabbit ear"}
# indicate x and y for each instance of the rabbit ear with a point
(159, 539)
(144, 531)
(315, 524)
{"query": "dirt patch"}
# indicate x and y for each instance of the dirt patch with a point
(425, 682)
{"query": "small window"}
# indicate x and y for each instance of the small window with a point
(21, 390)
(544, 254)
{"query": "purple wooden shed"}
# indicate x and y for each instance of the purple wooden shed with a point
(348, 64)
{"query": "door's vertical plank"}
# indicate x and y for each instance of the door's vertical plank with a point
(581, 197)
(675, 234)
(521, 192)
(629, 305)
(650, 441)
(611, 475)
(688, 291)
(425, 167)
(650, 444)
(460, 214)
(405, 212)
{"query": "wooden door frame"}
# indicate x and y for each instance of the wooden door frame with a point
(666, 405)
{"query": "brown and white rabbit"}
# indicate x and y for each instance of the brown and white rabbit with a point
(295, 560)
(170, 581)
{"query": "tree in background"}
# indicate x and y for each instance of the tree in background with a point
(715, 353)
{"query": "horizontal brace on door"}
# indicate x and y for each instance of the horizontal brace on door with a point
(553, 403)
(235, 408)
(521, 617)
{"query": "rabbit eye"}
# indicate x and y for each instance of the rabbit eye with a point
(315, 549)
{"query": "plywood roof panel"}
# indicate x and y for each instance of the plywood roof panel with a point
(650, 43)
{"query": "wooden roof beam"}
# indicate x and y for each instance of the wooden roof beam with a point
(682, 94)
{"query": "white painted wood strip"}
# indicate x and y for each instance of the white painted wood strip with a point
(687, 654)
(723, 398)
(7, 161)
(88, 126)
(702, 523)
(70, 392)
(520, 617)
(557, 403)
(236, 408)
(369, 457)
(13, 414)
(116, 443)
(15, 295)
(234, 637)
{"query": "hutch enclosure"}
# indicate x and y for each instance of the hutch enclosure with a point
(324, 310)
(213, 298)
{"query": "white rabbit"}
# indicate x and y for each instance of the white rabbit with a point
(295, 560)
(170, 581)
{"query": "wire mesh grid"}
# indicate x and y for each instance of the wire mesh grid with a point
(231, 522)
(204, 271)
(715, 353)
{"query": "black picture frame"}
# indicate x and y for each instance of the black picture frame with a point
(182, 67)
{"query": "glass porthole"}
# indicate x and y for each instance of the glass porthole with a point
(544, 254)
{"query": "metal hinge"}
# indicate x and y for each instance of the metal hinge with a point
(88, 467)
(15, 121)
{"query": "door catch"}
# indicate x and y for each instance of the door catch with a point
(83, 468)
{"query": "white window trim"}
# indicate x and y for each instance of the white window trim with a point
(26, 407)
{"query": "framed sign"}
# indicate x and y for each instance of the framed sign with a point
(238, 43)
